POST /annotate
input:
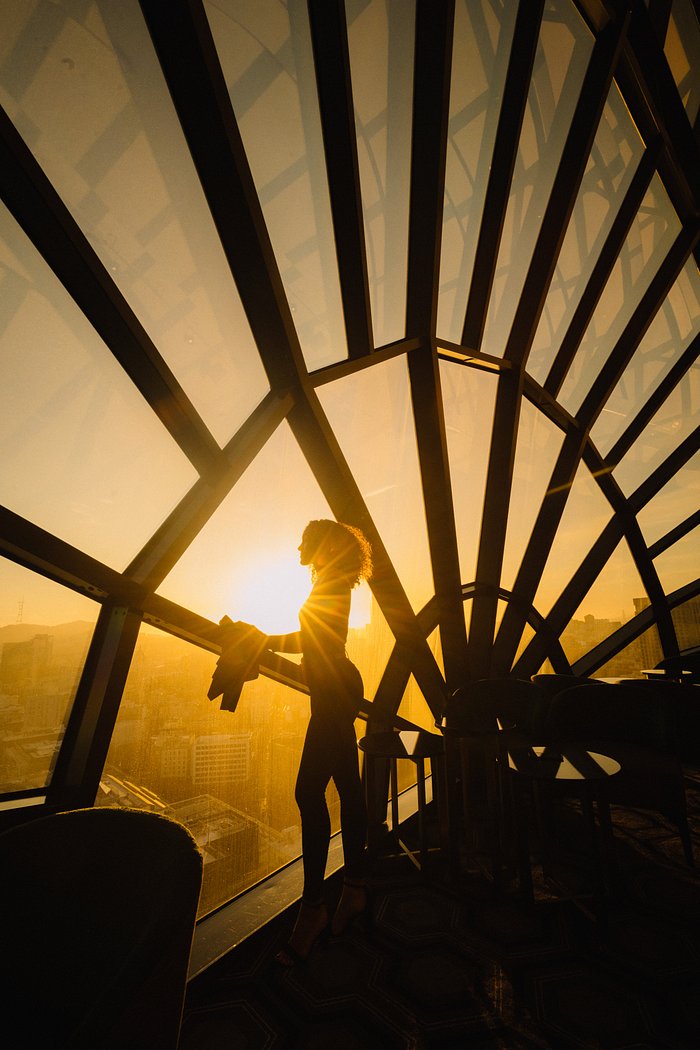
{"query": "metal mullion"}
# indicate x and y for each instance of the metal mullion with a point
(494, 521)
(49, 224)
(656, 81)
(35, 548)
(433, 54)
(83, 753)
(539, 546)
(635, 541)
(665, 471)
(514, 101)
(647, 308)
(565, 188)
(603, 268)
(351, 366)
(332, 64)
(152, 564)
(187, 54)
(659, 17)
(323, 454)
(654, 403)
(572, 596)
(675, 534)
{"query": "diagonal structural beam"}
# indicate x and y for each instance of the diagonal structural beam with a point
(332, 63)
(45, 219)
(567, 182)
(515, 93)
(433, 53)
(603, 269)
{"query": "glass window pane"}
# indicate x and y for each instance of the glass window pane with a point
(586, 514)
(84, 88)
(80, 447)
(245, 561)
(44, 638)
(613, 599)
(469, 396)
(229, 777)
(372, 417)
(482, 40)
(675, 502)
(673, 423)
(668, 336)
(616, 152)
(265, 53)
(682, 50)
(539, 444)
(563, 51)
(686, 620)
(641, 654)
(381, 38)
(648, 242)
(678, 565)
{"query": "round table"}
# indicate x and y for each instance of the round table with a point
(578, 771)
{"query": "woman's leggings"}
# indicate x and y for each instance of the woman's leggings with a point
(330, 753)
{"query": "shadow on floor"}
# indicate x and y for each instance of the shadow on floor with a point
(457, 965)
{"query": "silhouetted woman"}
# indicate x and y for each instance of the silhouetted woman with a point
(339, 556)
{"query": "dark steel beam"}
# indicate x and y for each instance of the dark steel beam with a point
(650, 93)
(666, 470)
(638, 549)
(80, 762)
(654, 403)
(332, 63)
(539, 546)
(322, 451)
(505, 151)
(150, 567)
(186, 51)
(675, 534)
(351, 366)
(45, 219)
(494, 522)
(571, 597)
(431, 88)
(570, 172)
(649, 304)
(603, 268)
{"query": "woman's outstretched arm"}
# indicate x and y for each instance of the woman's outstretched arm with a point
(284, 643)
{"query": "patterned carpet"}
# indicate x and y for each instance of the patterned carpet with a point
(460, 966)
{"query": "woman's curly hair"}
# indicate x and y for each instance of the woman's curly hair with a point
(348, 547)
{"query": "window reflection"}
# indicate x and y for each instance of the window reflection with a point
(616, 152)
(667, 338)
(45, 631)
(372, 417)
(675, 502)
(563, 50)
(616, 596)
(381, 40)
(673, 423)
(646, 246)
(228, 777)
(265, 53)
(82, 84)
(678, 565)
(482, 41)
(81, 448)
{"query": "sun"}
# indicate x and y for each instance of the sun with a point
(270, 591)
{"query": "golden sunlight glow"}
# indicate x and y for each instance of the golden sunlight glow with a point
(270, 592)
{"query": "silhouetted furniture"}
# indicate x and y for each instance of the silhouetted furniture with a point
(585, 774)
(482, 719)
(636, 724)
(415, 746)
(683, 668)
(551, 684)
(97, 916)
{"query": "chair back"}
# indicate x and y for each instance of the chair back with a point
(553, 683)
(479, 706)
(625, 713)
(97, 916)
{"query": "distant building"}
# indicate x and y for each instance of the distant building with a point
(220, 759)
